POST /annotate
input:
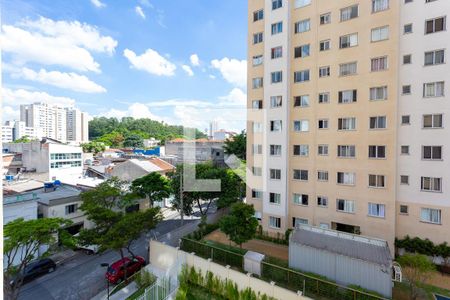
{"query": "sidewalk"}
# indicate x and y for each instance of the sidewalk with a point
(61, 257)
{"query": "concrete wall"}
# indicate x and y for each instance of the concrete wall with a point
(27, 210)
(165, 257)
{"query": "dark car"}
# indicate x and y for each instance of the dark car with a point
(116, 271)
(35, 269)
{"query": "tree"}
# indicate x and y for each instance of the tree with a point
(93, 147)
(416, 268)
(154, 186)
(22, 241)
(237, 145)
(228, 194)
(25, 139)
(240, 225)
(113, 139)
(134, 141)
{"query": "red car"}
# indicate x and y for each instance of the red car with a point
(116, 271)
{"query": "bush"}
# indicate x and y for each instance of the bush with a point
(144, 279)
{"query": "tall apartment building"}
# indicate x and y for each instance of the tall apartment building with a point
(13, 130)
(328, 107)
(77, 125)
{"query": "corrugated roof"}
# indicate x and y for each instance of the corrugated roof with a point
(146, 165)
(354, 248)
(165, 166)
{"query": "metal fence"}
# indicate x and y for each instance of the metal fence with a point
(311, 286)
(160, 290)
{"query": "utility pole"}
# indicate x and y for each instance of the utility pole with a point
(181, 198)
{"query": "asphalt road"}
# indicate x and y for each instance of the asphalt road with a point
(82, 277)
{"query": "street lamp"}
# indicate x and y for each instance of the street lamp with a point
(106, 265)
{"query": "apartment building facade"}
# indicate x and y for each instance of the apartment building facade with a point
(324, 82)
(77, 125)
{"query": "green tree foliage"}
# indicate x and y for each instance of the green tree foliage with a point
(25, 139)
(93, 147)
(113, 139)
(21, 243)
(240, 225)
(416, 268)
(230, 188)
(237, 145)
(154, 186)
(134, 141)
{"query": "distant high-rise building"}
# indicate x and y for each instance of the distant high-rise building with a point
(77, 125)
(14, 130)
(213, 127)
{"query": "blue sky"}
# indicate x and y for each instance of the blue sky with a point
(183, 62)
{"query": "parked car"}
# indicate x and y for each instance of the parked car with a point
(116, 271)
(35, 269)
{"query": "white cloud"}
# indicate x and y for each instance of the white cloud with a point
(10, 114)
(195, 61)
(188, 70)
(140, 12)
(71, 81)
(135, 110)
(51, 42)
(151, 62)
(235, 97)
(22, 96)
(98, 3)
(146, 3)
(234, 71)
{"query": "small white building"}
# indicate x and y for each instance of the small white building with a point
(151, 143)
(20, 206)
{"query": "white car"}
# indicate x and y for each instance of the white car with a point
(88, 249)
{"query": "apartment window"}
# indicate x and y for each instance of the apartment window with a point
(434, 57)
(275, 126)
(407, 28)
(276, 77)
(346, 123)
(376, 181)
(275, 174)
(296, 222)
(378, 122)
(258, 38)
(404, 150)
(377, 151)
(301, 126)
(404, 209)
(322, 150)
(379, 5)
(346, 178)
(325, 19)
(404, 179)
(322, 201)
(275, 222)
(377, 210)
(258, 15)
(378, 93)
(379, 64)
(257, 104)
(277, 28)
(301, 76)
(347, 206)
(348, 68)
(277, 4)
(301, 199)
(276, 52)
(433, 89)
(347, 41)
(275, 198)
(302, 26)
(346, 151)
(406, 89)
(275, 150)
(322, 175)
(324, 98)
(348, 96)
(257, 83)
(406, 120)
(435, 25)
(349, 13)
(380, 34)
(257, 127)
(301, 175)
(432, 152)
(257, 194)
(322, 124)
(324, 71)
(301, 101)
(324, 45)
(301, 150)
(257, 149)
(257, 171)
(407, 59)
(71, 209)
(302, 51)
(430, 215)
(276, 101)
(301, 3)
(432, 121)
(257, 60)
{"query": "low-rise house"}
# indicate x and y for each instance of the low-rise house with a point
(202, 150)
(135, 168)
(151, 143)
